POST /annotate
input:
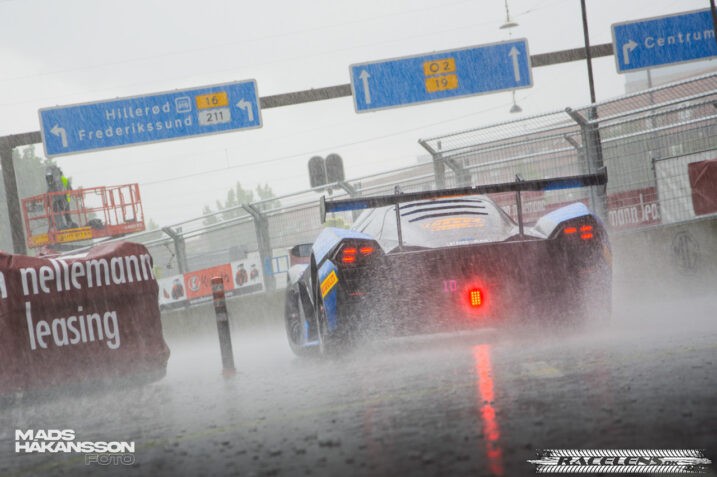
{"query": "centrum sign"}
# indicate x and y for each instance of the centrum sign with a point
(659, 41)
(151, 118)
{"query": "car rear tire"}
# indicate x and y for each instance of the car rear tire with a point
(293, 322)
(335, 343)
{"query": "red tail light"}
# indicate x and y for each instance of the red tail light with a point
(585, 231)
(476, 298)
(354, 253)
(349, 255)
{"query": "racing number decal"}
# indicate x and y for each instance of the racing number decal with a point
(450, 285)
(328, 283)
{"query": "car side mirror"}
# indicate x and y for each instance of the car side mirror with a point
(302, 250)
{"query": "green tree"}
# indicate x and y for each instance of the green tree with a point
(211, 219)
(264, 193)
(237, 196)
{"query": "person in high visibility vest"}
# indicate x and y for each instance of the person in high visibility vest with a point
(57, 182)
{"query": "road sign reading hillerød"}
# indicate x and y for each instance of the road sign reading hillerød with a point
(665, 40)
(151, 118)
(441, 75)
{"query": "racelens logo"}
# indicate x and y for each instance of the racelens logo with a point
(620, 461)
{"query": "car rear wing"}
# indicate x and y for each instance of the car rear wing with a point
(556, 183)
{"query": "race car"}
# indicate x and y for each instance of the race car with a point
(448, 259)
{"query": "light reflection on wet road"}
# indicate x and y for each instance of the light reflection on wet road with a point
(475, 403)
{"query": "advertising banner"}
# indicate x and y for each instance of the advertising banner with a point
(241, 277)
(703, 182)
(79, 318)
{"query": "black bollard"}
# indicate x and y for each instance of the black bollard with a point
(225, 338)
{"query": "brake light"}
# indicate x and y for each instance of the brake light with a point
(586, 231)
(476, 298)
(349, 255)
(356, 253)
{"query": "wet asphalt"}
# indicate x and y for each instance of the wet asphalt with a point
(479, 402)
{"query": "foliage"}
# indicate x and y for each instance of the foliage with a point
(336, 222)
(236, 197)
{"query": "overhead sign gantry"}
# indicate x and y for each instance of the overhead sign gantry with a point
(441, 75)
(152, 118)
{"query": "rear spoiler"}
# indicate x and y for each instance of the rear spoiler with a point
(556, 183)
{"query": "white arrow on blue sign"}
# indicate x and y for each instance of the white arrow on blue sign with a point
(152, 118)
(441, 75)
(665, 40)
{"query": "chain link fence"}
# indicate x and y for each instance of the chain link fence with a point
(646, 140)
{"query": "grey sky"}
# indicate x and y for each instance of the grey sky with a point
(72, 51)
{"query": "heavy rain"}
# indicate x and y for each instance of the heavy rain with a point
(466, 256)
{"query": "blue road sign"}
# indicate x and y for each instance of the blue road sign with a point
(441, 75)
(151, 118)
(665, 40)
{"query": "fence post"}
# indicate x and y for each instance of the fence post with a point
(593, 160)
(463, 176)
(225, 337)
(439, 168)
(180, 248)
(261, 226)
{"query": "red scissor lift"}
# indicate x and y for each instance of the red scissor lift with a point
(89, 214)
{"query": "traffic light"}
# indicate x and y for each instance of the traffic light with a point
(334, 168)
(317, 171)
(329, 171)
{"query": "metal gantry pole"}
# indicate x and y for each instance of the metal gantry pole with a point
(11, 195)
(714, 18)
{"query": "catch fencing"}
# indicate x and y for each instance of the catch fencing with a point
(646, 140)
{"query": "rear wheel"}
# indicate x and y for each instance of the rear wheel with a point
(294, 323)
(331, 343)
(327, 345)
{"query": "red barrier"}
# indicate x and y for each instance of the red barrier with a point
(703, 181)
(81, 318)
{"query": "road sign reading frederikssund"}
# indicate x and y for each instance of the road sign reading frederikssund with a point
(441, 75)
(665, 40)
(151, 118)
